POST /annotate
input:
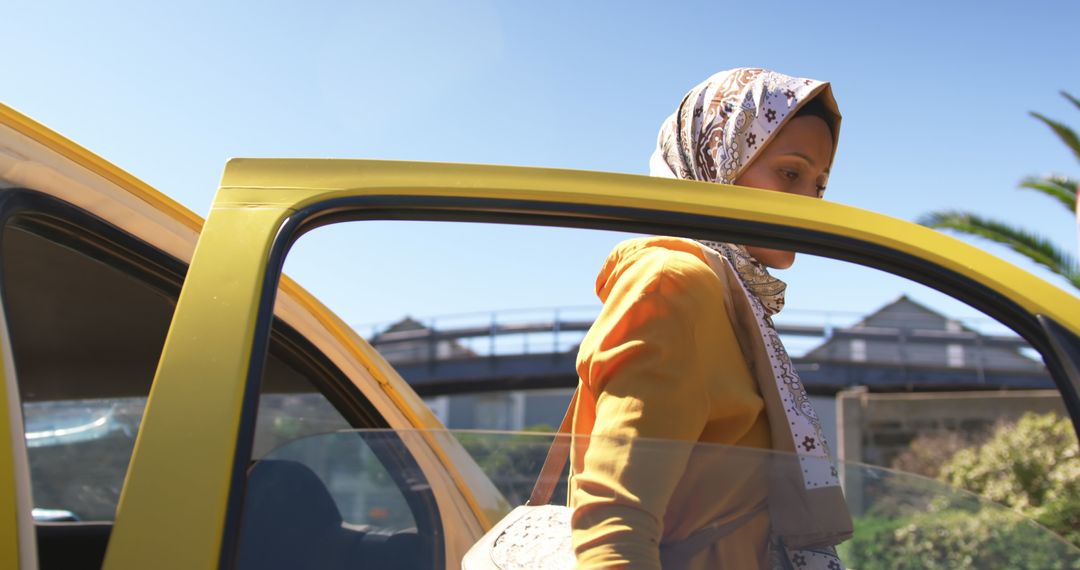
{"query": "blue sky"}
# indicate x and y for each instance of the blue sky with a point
(934, 96)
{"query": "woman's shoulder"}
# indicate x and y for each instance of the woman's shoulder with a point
(656, 261)
(665, 251)
(657, 243)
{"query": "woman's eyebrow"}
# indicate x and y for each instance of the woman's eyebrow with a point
(807, 158)
(802, 156)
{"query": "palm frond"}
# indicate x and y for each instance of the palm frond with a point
(1066, 134)
(1060, 188)
(1036, 248)
(1071, 99)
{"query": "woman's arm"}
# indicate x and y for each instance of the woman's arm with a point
(647, 361)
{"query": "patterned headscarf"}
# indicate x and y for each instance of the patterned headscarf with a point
(717, 131)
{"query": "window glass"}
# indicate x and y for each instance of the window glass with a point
(86, 338)
(909, 377)
(485, 320)
(359, 483)
(285, 417)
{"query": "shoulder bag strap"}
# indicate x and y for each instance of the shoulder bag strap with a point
(557, 456)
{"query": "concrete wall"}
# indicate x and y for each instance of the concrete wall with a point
(874, 428)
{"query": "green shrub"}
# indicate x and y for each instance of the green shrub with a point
(929, 451)
(872, 546)
(511, 460)
(1032, 466)
(988, 538)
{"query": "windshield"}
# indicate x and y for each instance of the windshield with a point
(329, 500)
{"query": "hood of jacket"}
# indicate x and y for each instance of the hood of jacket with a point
(631, 251)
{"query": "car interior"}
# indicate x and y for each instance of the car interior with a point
(88, 308)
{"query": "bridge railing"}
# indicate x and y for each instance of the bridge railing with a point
(560, 330)
(471, 335)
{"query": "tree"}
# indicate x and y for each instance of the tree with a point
(1035, 247)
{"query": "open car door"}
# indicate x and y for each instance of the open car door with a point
(217, 343)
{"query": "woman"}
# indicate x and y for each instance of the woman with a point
(684, 350)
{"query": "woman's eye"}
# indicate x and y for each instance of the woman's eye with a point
(791, 175)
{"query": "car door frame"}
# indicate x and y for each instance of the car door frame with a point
(14, 459)
(50, 217)
(18, 542)
(217, 342)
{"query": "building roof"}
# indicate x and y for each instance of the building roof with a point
(409, 340)
(906, 333)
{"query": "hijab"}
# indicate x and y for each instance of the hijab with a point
(719, 128)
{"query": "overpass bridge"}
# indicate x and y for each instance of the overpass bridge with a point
(902, 347)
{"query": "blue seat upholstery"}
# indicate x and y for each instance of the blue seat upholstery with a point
(290, 521)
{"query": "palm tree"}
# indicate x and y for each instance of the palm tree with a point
(1037, 248)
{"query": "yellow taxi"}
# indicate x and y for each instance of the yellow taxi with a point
(124, 314)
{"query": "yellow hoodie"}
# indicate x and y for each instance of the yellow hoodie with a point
(663, 361)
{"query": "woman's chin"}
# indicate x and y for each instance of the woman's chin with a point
(772, 258)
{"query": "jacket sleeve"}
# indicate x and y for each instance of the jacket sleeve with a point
(647, 361)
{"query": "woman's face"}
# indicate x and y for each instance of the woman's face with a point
(797, 162)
